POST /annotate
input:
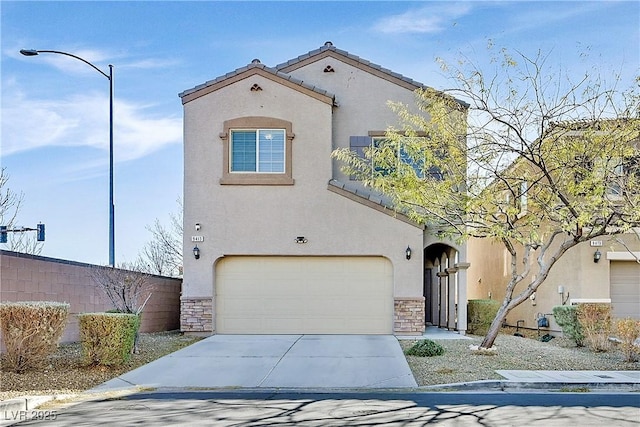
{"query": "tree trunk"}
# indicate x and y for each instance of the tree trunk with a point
(494, 329)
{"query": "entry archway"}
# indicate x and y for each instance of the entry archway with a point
(445, 287)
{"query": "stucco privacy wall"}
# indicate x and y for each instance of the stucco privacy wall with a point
(34, 278)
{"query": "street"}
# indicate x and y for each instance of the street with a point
(273, 408)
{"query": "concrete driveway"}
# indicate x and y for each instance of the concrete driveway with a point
(277, 361)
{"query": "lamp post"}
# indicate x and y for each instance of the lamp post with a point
(33, 52)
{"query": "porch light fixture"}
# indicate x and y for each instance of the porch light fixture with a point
(196, 252)
(597, 255)
(300, 240)
(408, 252)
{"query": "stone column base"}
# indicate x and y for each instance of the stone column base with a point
(408, 318)
(196, 314)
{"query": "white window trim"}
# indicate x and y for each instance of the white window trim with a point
(257, 131)
(257, 178)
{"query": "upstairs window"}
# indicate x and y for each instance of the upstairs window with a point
(257, 151)
(260, 150)
(360, 145)
(624, 172)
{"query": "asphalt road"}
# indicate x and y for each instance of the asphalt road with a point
(273, 408)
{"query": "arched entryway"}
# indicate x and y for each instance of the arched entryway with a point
(445, 288)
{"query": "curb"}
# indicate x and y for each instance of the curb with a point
(498, 385)
(21, 408)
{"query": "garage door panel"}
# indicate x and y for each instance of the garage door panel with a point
(625, 289)
(304, 295)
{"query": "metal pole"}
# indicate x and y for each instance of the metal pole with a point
(112, 227)
(112, 239)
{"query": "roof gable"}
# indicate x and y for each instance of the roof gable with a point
(256, 68)
(329, 50)
(279, 73)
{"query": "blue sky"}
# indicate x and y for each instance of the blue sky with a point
(55, 109)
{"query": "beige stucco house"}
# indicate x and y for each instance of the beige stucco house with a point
(601, 269)
(277, 238)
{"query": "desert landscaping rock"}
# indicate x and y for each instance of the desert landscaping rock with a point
(460, 364)
(65, 373)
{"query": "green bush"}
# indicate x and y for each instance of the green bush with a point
(425, 348)
(31, 331)
(567, 318)
(107, 338)
(481, 313)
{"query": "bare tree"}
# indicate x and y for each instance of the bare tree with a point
(10, 204)
(542, 164)
(127, 288)
(162, 255)
(10, 201)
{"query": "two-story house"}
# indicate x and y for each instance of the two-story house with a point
(599, 184)
(277, 238)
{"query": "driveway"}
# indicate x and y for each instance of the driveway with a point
(277, 361)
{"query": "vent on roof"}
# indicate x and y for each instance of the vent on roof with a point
(255, 61)
(328, 44)
(329, 69)
(256, 87)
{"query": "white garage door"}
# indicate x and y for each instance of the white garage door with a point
(625, 289)
(311, 295)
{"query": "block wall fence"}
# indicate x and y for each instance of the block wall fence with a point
(26, 277)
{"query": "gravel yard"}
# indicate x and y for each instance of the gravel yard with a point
(65, 373)
(458, 364)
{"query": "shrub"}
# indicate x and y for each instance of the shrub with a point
(567, 318)
(31, 331)
(628, 331)
(107, 338)
(595, 320)
(481, 313)
(425, 348)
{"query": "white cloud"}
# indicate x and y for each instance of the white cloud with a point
(83, 120)
(150, 64)
(433, 18)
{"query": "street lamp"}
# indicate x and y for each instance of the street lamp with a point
(33, 52)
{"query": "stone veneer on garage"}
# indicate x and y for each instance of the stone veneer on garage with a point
(408, 318)
(196, 315)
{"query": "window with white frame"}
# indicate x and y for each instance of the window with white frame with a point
(259, 150)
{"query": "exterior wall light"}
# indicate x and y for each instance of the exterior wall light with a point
(196, 252)
(597, 255)
(197, 227)
(300, 240)
(408, 252)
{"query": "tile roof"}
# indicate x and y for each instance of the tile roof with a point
(327, 47)
(372, 198)
(255, 64)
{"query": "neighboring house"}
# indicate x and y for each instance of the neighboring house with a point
(605, 269)
(286, 243)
